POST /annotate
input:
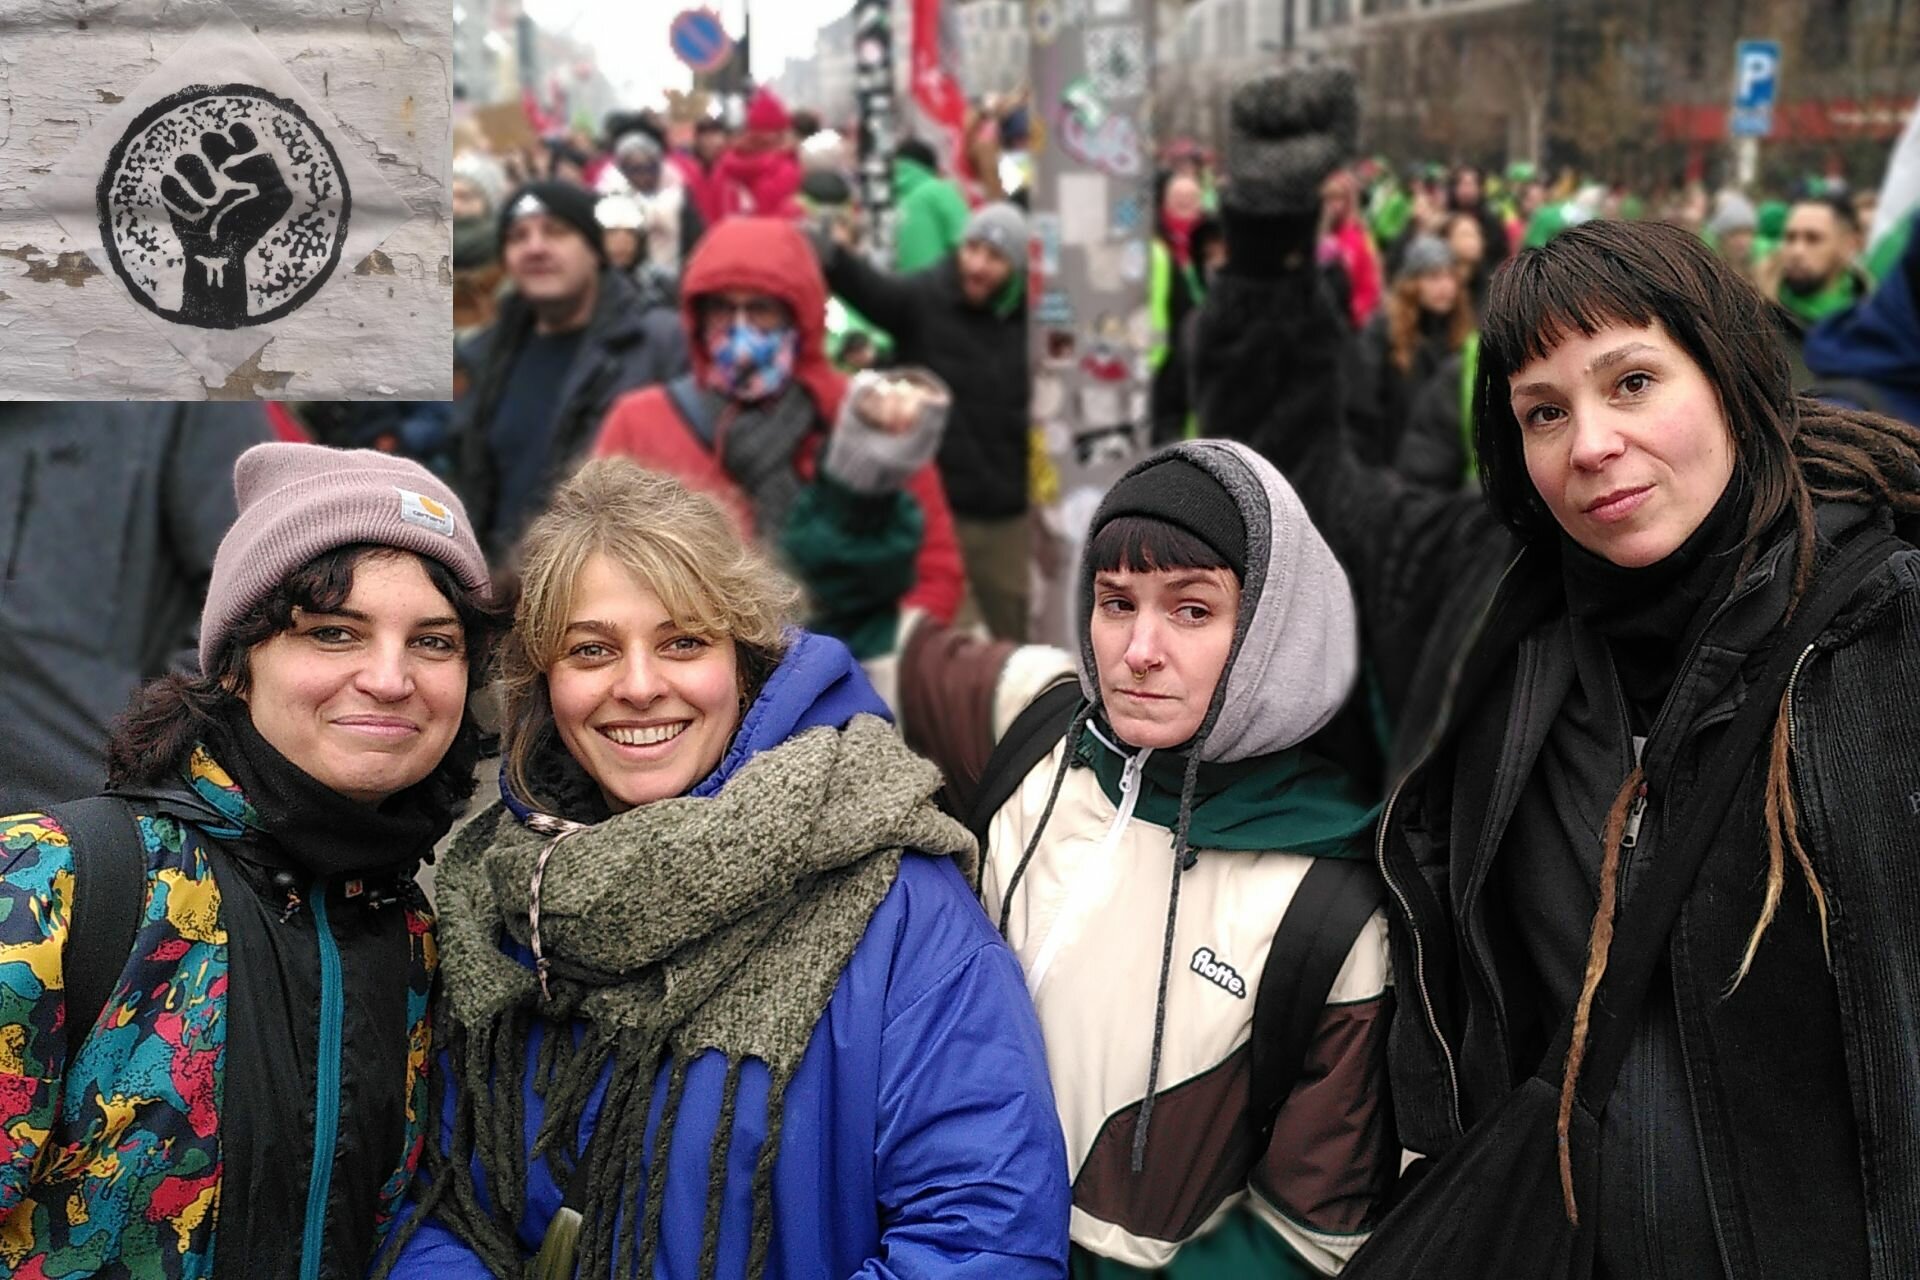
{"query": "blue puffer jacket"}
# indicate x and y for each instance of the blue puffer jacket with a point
(919, 1135)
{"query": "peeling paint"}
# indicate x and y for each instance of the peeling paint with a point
(4, 296)
(446, 270)
(375, 264)
(250, 381)
(109, 97)
(71, 268)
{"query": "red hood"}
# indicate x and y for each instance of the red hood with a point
(770, 256)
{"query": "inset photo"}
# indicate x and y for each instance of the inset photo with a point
(214, 201)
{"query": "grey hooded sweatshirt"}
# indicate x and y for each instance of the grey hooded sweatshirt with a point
(1143, 955)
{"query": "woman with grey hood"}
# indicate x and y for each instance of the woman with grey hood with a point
(1184, 876)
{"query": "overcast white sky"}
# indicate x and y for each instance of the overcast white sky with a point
(631, 35)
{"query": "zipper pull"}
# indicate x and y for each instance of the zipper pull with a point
(1130, 774)
(1631, 836)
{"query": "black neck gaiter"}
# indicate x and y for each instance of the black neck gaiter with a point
(1651, 616)
(315, 827)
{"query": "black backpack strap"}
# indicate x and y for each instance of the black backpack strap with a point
(1331, 906)
(1027, 741)
(109, 889)
(684, 393)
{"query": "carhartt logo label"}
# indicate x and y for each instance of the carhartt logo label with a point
(1219, 972)
(418, 508)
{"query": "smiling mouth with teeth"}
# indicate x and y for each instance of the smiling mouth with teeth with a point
(647, 737)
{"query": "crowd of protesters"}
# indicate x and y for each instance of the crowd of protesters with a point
(1471, 832)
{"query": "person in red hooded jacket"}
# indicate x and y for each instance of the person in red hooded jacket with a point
(760, 173)
(836, 477)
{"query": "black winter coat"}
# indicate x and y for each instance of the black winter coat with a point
(1801, 1084)
(979, 352)
(626, 346)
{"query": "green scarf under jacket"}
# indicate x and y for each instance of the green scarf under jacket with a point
(1292, 801)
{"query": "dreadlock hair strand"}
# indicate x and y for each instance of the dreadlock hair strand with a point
(1599, 944)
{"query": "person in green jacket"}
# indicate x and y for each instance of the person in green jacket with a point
(932, 212)
(1816, 275)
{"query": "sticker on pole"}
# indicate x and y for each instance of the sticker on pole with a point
(700, 40)
(222, 207)
(1117, 61)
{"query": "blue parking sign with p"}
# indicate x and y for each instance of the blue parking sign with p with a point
(1756, 83)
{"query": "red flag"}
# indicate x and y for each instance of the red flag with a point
(935, 87)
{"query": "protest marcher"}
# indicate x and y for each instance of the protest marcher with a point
(719, 1000)
(1427, 317)
(1869, 355)
(1652, 701)
(1209, 1136)
(1813, 274)
(569, 339)
(966, 320)
(217, 974)
(750, 423)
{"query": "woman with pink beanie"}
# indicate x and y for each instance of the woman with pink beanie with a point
(214, 977)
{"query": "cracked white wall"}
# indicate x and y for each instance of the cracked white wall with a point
(381, 327)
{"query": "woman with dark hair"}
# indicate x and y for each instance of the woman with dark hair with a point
(1202, 718)
(1427, 317)
(253, 1051)
(1467, 193)
(718, 999)
(1586, 670)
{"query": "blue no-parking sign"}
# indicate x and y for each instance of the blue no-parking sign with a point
(1756, 83)
(700, 41)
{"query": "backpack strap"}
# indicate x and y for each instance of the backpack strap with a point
(109, 889)
(1027, 741)
(1331, 906)
(684, 392)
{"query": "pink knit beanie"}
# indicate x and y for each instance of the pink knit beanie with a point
(298, 501)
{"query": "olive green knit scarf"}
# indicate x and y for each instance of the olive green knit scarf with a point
(681, 926)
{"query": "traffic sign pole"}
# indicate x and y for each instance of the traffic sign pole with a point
(1756, 86)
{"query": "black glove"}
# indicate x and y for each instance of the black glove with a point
(1289, 131)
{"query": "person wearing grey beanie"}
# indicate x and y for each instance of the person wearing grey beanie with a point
(964, 318)
(1732, 229)
(1424, 321)
(269, 811)
(1175, 841)
(1423, 255)
(1001, 227)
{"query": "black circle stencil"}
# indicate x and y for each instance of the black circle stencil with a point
(223, 206)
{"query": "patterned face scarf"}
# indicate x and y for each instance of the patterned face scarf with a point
(750, 364)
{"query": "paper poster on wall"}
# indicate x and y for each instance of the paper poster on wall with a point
(1104, 267)
(252, 192)
(1083, 208)
(222, 208)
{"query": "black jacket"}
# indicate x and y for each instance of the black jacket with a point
(980, 352)
(626, 346)
(1381, 399)
(1801, 1086)
(1434, 450)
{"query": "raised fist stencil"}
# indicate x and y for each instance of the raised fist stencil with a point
(222, 199)
(223, 207)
